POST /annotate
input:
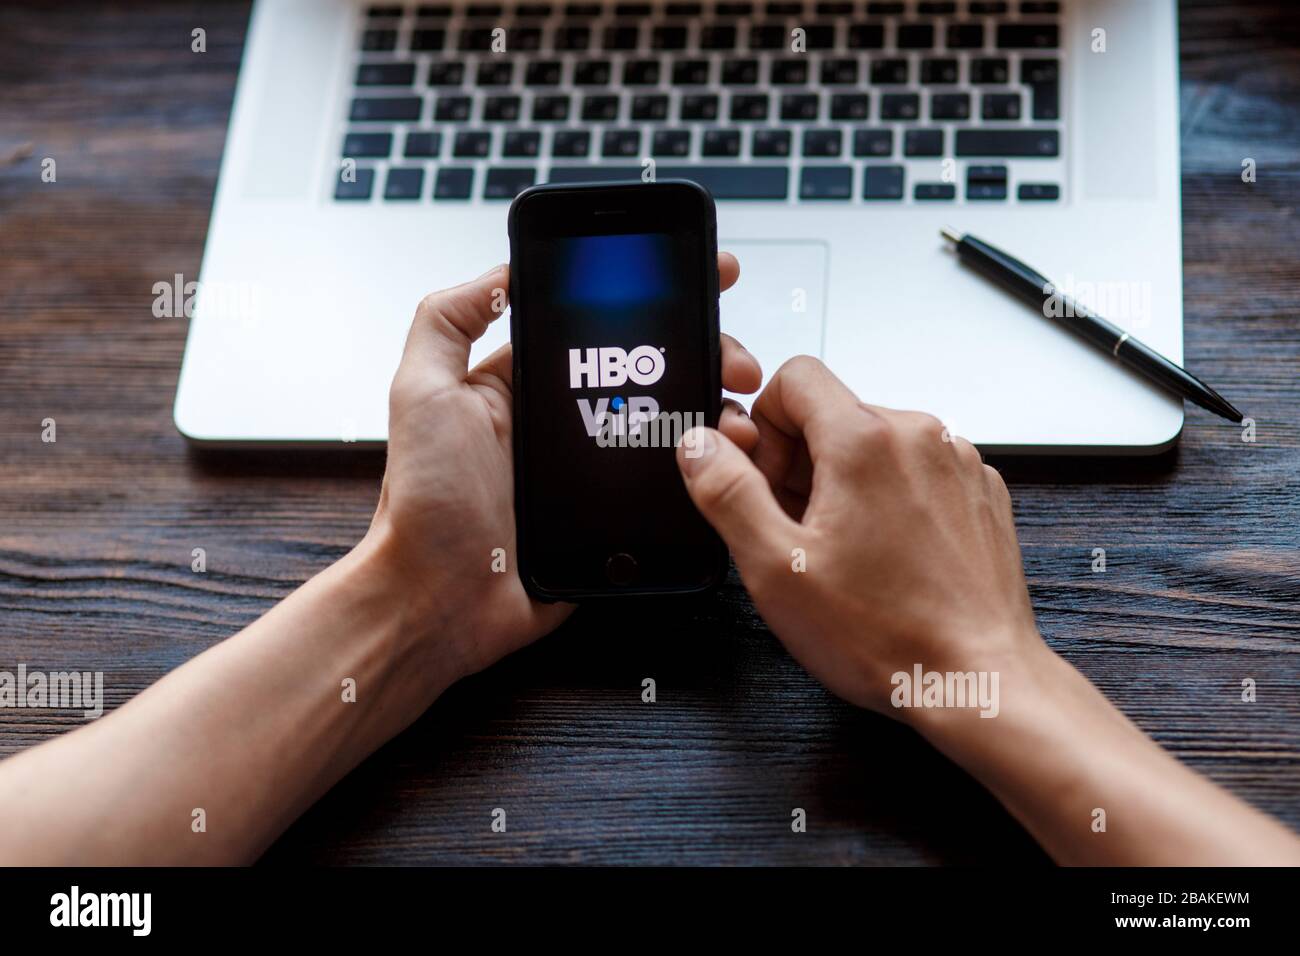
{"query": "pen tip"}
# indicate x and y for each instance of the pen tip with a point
(951, 234)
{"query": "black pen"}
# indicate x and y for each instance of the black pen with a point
(1023, 282)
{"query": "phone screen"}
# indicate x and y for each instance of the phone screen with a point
(615, 327)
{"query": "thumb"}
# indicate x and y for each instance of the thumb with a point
(733, 496)
(449, 322)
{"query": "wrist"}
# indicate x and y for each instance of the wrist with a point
(419, 619)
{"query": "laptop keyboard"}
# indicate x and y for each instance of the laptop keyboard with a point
(825, 102)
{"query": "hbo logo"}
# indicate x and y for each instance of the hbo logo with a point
(609, 367)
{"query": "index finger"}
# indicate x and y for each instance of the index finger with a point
(805, 400)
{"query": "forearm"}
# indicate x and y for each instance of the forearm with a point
(1066, 763)
(250, 732)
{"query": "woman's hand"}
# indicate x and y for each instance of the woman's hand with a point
(445, 522)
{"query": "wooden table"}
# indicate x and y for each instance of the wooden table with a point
(1201, 590)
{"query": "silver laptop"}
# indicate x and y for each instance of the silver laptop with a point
(373, 151)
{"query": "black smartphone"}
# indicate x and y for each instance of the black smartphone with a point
(614, 327)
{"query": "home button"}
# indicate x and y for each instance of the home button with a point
(621, 569)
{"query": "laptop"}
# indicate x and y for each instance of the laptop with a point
(373, 151)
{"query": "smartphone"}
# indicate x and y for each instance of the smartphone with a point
(614, 328)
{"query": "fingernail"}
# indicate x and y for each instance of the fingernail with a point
(496, 268)
(700, 444)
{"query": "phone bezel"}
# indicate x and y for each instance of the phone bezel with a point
(569, 210)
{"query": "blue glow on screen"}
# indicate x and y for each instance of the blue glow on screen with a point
(610, 272)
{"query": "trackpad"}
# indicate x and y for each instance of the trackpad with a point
(777, 309)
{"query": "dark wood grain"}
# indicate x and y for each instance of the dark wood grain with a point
(1203, 544)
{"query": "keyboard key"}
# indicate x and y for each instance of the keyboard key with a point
(882, 182)
(690, 73)
(368, 145)
(471, 144)
(427, 40)
(1043, 79)
(699, 106)
(900, 106)
(385, 74)
(819, 36)
(986, 182)
(756, 181)
(620, 142)
(850, 106)
(1040, 6)
(939, 71)
(749, 106)
(768, 143)
(873, 142)
(501, 109)
(641, 73)
(965, 36)
(718, 36)
(495, 73)
(734, 9)
(826, 182)
(572, 37)
(923, 142)
(582, 10)
(889, 71)
(571, 143)
(521, 144)
(404, 183)
(1000, 106)
(739, 72)
(550, 109)
(949, 106)
(721, 142)
(866, 36)
(506, 182)
(475, 39)
(884, 9)
(944, 9)
(790, 70)
(446, 74)
(484, 9)
(671, 142)
(924, 191)
(668, 38)
(624, 36)
(534, 10)
(800, 106)
(1028, 36)
(915, 36)
(384, 10)
(379, 41)
(387, 108)
(839, 72)
(834, 8)
(684, 9)
(591, 73)
(823, 143)
(784, 8)
(1008, 142)
(988, 70)
(768, 36)
(453, 182)
(438, 10)
(543, 73)
(452, 109)
(355, 184)
(422, 144)
(524, 38)
(1038, 191)
(987, 7)
(650, 107)
(600, 108)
